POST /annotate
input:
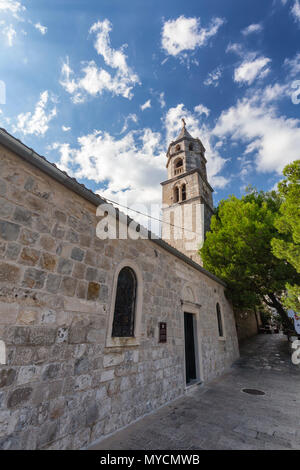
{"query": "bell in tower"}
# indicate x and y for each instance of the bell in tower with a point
(186, 195)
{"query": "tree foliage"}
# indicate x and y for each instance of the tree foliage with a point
(288, 225)
(238, 250)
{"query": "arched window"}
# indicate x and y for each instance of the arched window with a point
(191, 147)
(183, 192)
(178, 166)
(176, 194)
(124, 313)
(177, 148)
(220, 323)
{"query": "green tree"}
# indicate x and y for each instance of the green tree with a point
(238, 250)
(288, 225)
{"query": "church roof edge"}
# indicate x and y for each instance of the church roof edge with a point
(39, 161)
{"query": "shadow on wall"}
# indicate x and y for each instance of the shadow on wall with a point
(247, 323)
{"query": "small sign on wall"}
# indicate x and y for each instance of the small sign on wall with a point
(162, 332)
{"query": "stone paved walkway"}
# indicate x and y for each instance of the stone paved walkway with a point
(220, 416)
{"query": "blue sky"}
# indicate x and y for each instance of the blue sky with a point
(100, 87)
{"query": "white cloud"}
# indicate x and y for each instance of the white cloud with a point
(146, 105)
(201, 109)
(11, 6)
(37, 122)
(132, 166)
(295, 10)
(293, 64)
(185, 34)
(235, 47)
(10, 34)
(131, 117)
(251, 69)
(213, 77)
(252, 28)
(66, 128)
(42, 29)
(94, 81)
(162, 99)
(255, 122)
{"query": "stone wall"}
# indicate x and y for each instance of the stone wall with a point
(62, 387)
(247, 324)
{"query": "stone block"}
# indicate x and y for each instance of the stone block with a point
(8, 313)
(62, 335)
(90, 258)
(82, 365)
(91, 274)
(58, 232)
(77, 305)
(42, 336)
(107, 375)
(60, 216)
(55, 388)
(48, 316)
(48, 243)
(7, 377)
(65, 266)
(68, 286)
(18, 335)
(79, 270)
(48, 261)
(83, 382)
(3, 187)
(110, 360)
(34, 278)
(9, 231)
(92, 414)
(93, 291)
(96, 336)
(6, 208)
(28, 237)
(2, 249)
(49, 432)
(53, 283)
(81, 291)
(19, 396)
(12, 251)
(42, 223)
(77, 334)
(81, 438)
(85, 240)
(51, 372)
(103, 293)
(22, 216)
(77, 254)
(29, 256)
(27, 374)
(10, 442)
(72, 236)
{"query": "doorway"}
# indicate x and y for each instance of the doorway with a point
(190, 359)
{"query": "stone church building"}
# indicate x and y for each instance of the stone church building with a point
(95, 333)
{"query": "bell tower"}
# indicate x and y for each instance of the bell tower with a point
(186, 195)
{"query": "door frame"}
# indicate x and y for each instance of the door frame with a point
(194, 309)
